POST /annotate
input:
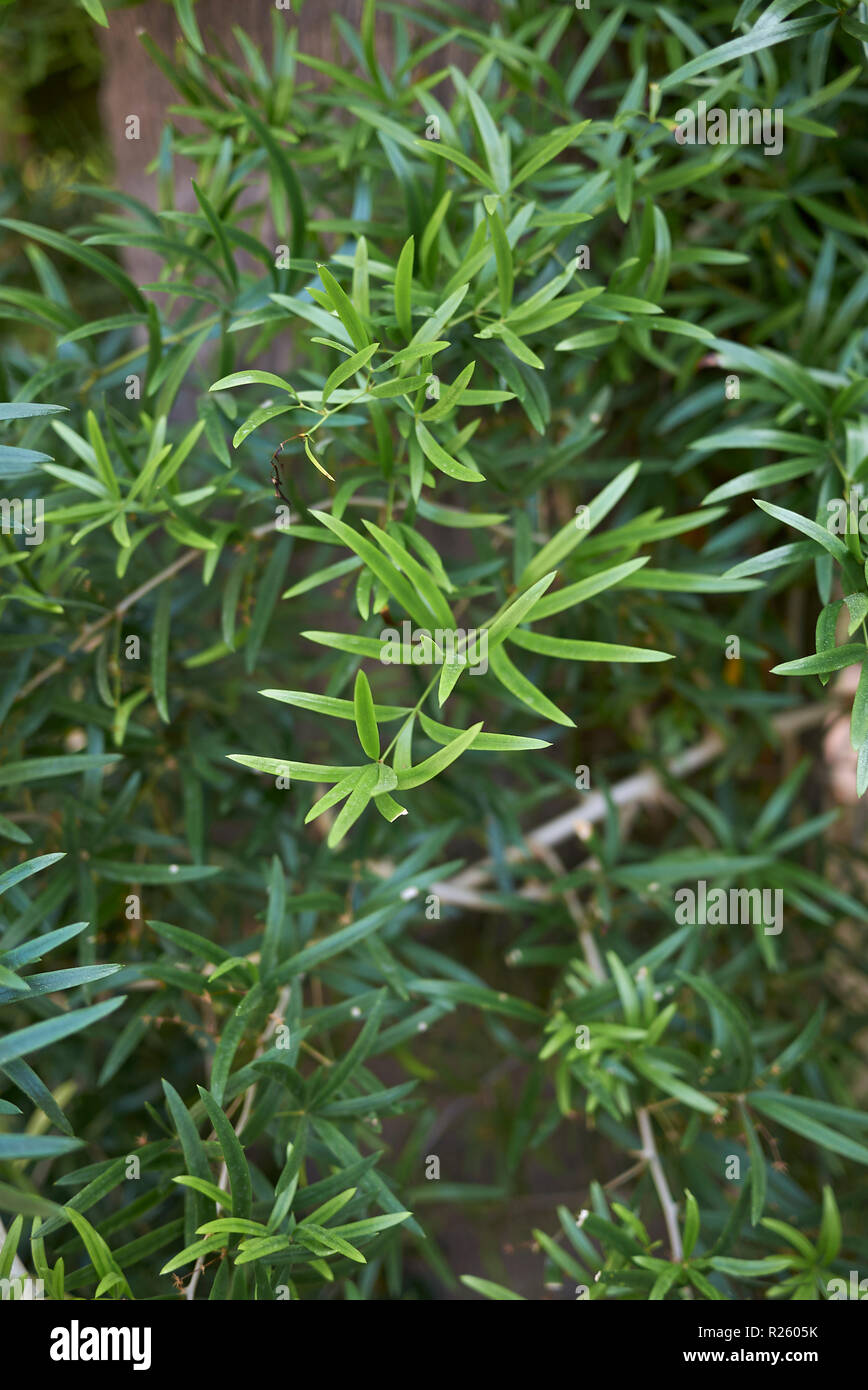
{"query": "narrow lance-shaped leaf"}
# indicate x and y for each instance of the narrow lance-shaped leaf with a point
(366, 719)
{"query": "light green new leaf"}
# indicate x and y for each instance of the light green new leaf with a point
(547, 149)
(571, 535)
(691, 1223)
(823, 662)
(569, 650)
(494, 743)
(365, 717)
(436, 454)
(759, 37)
(355, 804)
(516, 611)
(438, 762)
(518, 685)
(345, 309)
(404, 287)
(379, 564)
(348, 368)
(817, 533)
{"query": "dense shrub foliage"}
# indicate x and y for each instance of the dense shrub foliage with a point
(442, 352)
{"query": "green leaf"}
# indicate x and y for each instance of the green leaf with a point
(192, 1252)
(829, 1241)
(768, 476)
(102, 267)
(361, 293)
(547, 148)
(365, 717)
(347, 369)
(750, 1269)
(418, 576)
(361, 793)
(160, 651)
(662, 1078)
(436, 454)
(329, 704)
(16, 1147)
(287, 175)
(758, 1176)
(760, 37)
(120, 871)
(503, 259)
(509, 617)
(332, 945)
(565, 541)
(663, 1283)
(99, 1253)
(862, 770)
(50, 1031)
(800, 1047)
(584, 651)
(859, 716)
(518, 685)
(593, 51)
(208, 1189)
(728, 1013)
(95, 10)
(187, 21)
(624, 188)
(255, 378)
(193, 1149)
(19, 872)
(40, 945)
(625, 987)
(259, 417)
(324, 1242)
(476, 172)
(53, 981)
(319, 577)
(495, 743)
(438, 762)
(330, 1208)
(219, 234)
(20, 410)
(233, 1155)
(33, 769)
(372, 1225)
(779, 1110)
(488, 1289)
(823, 662)
(404, 287)
(808, 528)
(333, 1079)
(344, 308)
(379, 564)
(691, 1223)
(452, 396)
(429, 330)
(796, 1239)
